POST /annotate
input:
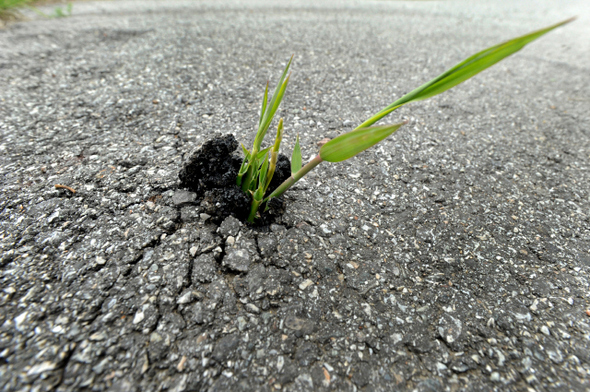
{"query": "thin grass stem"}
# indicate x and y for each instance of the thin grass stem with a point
(295, 177)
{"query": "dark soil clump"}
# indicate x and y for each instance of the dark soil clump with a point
(211, 171)
(212, 165)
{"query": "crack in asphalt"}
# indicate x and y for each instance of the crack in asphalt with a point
(419, 265)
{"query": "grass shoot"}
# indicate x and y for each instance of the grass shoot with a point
(259, 165)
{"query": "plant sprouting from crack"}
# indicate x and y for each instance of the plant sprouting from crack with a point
(259, 165)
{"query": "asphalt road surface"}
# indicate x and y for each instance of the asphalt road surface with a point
(454, 256)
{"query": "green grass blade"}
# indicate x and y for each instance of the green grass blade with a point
(262, 153)
(271, 110)
(272, 106)
(255, 204)
(243, 169)
(264, 102)
(274, 155)
(463, 71)
(245, 151)
(263, 173)
(254, 183)
(281, 80)
(350, 144)
(275, 105)
(249, 176)
(296, 160)
(279, 137)
(245, 165)
(284, 75)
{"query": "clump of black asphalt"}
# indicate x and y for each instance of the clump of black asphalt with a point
(454, 256)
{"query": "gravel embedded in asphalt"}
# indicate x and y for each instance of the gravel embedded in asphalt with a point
(453, 256)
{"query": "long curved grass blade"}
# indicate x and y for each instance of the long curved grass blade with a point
(350, 144)
(463, 71)
(296, 160)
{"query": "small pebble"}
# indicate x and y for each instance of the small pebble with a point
(305, 284)
(252, 308)
(139, 316)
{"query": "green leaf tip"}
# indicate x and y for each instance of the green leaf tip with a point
(279, 136)
(350, 144)
(245, 151)
(296, 160)
(269, 108)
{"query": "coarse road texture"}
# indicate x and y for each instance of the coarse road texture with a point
(453, 256)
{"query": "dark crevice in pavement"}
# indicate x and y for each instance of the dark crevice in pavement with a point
(71, 347)
(189, 280)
